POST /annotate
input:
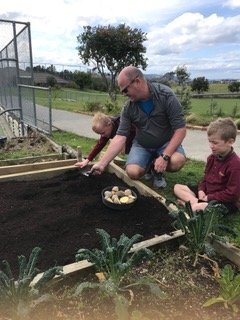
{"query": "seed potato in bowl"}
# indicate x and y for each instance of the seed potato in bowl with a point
(118, 198)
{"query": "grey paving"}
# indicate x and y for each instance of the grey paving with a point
(74, 122)
(197, 147)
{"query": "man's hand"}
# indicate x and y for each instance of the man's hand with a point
(97, 169)
(160, 165)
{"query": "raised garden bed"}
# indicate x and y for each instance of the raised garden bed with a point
(60, 215)
(49, 208)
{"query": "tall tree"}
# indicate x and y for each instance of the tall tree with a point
(82, 79)
(184, 93)
(182, 75)
(200, 84)
(234, 86)
(110, 49)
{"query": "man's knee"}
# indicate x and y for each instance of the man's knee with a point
(176, 163)
(134, 171)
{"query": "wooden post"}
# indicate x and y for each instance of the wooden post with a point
(79, 154)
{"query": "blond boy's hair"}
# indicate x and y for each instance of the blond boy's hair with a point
(99, 121)
(225, 127)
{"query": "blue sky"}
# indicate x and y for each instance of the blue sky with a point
(203, 35)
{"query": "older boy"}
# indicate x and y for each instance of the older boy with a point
(221, 181)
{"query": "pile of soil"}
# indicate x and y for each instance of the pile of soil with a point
(61, 214)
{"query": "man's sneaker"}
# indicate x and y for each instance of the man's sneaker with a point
(159, 181)
(148, 176)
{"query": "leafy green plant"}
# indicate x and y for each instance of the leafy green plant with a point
(112, 108)
(198, 225)
(19, 296)
(229, 290)
(212, 108)
(113, 263)
(114, 259)
(93, 106)
(238, 123)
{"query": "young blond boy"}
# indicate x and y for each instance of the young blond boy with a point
(106, 127)
(221, 181)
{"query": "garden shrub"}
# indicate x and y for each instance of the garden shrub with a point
(197, 120)
(238, 123)
(93, 106)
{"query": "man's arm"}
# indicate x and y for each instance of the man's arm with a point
(160, 165)
(115, 147)
(176, 140)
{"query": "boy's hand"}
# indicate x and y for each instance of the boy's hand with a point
(202, 196)
(82, 164)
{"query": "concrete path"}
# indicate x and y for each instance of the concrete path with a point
(195, 143)
(197, 147)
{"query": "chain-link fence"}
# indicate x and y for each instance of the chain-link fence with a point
(17, 90)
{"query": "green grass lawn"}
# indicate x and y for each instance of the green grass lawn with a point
(219, 106)
(83, 101)
(73, 141)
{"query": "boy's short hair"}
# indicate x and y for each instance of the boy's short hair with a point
(225, 127)
(100, 120)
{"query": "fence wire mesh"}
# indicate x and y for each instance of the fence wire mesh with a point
(17, 90)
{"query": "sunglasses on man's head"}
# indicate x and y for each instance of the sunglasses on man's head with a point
(125, 90)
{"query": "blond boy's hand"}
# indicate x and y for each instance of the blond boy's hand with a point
(82, 164)
(201, 195)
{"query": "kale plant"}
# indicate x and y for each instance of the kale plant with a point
(114, 259)
(18, 296)
(198, 225)
(113, 262)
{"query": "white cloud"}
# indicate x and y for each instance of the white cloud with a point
(232, 4)
(177, 30)
(192, 31)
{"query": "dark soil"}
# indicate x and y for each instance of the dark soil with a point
(60, 216)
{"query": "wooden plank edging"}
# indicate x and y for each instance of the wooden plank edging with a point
(83, 265)
(14, 169)
(25, 160)
(68, 270)
(227, 250)
(50, 171)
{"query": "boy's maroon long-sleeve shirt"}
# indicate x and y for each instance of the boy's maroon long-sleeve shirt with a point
(221, 180)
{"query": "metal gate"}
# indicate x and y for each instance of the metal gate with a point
(17, 91)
